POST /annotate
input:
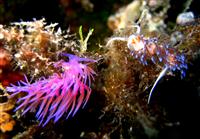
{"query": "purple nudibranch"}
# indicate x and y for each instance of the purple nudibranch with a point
(59, 94)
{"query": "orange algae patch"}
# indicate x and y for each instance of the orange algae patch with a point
(6, 122)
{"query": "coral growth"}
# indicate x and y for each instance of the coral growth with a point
(36, 45)
(155, 13)
(60, 93)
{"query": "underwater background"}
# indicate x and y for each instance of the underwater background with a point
(92, 69)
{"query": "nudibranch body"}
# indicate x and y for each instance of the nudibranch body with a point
(148, 50)
(59, 94)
